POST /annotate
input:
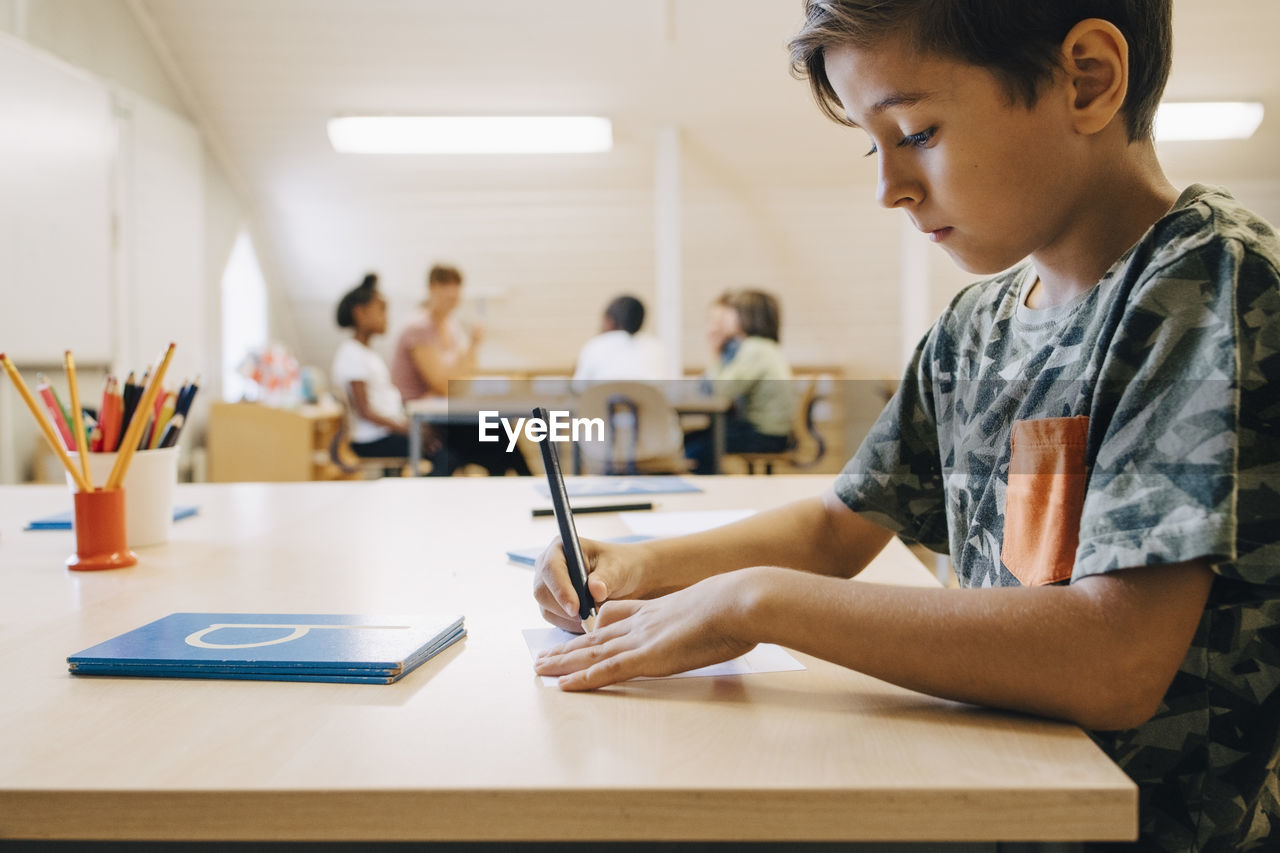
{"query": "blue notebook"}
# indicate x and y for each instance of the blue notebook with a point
(590, 487)
(353, 648)
(62, 520)
(529, 556)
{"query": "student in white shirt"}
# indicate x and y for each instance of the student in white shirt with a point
(377, 419)
(619, 351)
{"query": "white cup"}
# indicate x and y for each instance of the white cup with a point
(148, 491)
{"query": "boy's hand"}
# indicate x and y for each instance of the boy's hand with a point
(691, 628)
(613, 572)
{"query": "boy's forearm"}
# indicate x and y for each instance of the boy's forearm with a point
(815, 534)
(1094, 653)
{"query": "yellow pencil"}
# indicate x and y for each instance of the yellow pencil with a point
(166, 412)
(129, 444)
(77, 420)
(43, 422)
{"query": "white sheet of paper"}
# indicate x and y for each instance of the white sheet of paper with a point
(765, 657)
(660, 524)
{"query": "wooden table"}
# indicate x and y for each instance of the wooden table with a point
(472, 746)
(464, 411)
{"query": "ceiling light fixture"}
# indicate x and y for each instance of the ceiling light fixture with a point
(1178, 122)
(470, 134)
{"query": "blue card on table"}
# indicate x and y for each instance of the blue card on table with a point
(62, 520)
(590, 487)
(355, 648)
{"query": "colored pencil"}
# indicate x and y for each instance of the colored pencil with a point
(171, 431)
(45, 427)
(129, 395)
(164, 414)
(129, 444)
(45, 390)
(112, 408)
(57, 401)
(77, 418)
(185, 397)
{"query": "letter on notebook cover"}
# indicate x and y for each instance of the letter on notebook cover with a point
(297, 632)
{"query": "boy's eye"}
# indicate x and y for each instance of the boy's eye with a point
(918, 140)
(915, 140)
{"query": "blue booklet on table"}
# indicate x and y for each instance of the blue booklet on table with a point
(356, 648)
(529, 556)
(590, 487)
(62, 520)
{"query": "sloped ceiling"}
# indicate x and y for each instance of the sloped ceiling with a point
(265, 75)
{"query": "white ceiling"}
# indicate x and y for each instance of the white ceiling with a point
(264, 75)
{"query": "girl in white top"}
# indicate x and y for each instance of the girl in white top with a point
(378, 423)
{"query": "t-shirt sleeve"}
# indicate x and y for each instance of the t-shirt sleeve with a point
(1187, 431)
(895, 478)
(349, 365)
(417, 335)
(736, 378)
(584, 370)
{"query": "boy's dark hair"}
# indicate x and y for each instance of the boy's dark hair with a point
(1017, 40)
(758, 312)
(444, 274)
(361, 294)
(627, 314)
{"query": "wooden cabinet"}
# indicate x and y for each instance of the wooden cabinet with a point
(253, 443)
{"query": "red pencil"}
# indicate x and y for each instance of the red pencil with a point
(112, 408)
(55, 412)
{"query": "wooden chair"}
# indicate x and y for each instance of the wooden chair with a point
(356, 467)
(805, 445)
(642, 430)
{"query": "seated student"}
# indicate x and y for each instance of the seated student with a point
(378, 426)
(1090, 434)
(435, 349)
(748, 366)
(620, 351)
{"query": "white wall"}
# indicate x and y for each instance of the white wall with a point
(102, 38)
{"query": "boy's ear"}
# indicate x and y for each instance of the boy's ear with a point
(1095, 56)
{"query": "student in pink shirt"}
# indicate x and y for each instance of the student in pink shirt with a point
(436, 348)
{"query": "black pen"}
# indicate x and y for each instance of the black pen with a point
(540, 512)
(568, 533)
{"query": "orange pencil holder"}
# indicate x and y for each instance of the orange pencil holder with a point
(101, 542)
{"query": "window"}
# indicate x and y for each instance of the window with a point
(244, 316)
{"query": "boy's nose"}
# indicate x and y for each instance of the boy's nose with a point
(894, 188)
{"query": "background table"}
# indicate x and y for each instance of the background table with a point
(464, 411)
(471, 746)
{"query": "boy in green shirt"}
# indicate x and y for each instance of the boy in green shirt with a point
(1091, 434)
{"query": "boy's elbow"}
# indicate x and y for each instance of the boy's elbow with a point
(1137, 628)
(1114, 713)
(1128, 695)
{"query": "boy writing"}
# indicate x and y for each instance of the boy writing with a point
(1091, 435)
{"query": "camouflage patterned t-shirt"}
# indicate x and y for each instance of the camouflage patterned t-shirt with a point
(1136, 425)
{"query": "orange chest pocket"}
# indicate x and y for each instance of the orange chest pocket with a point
(1044, 499)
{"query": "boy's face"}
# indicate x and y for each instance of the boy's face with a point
(989, 180)
(445, 296)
